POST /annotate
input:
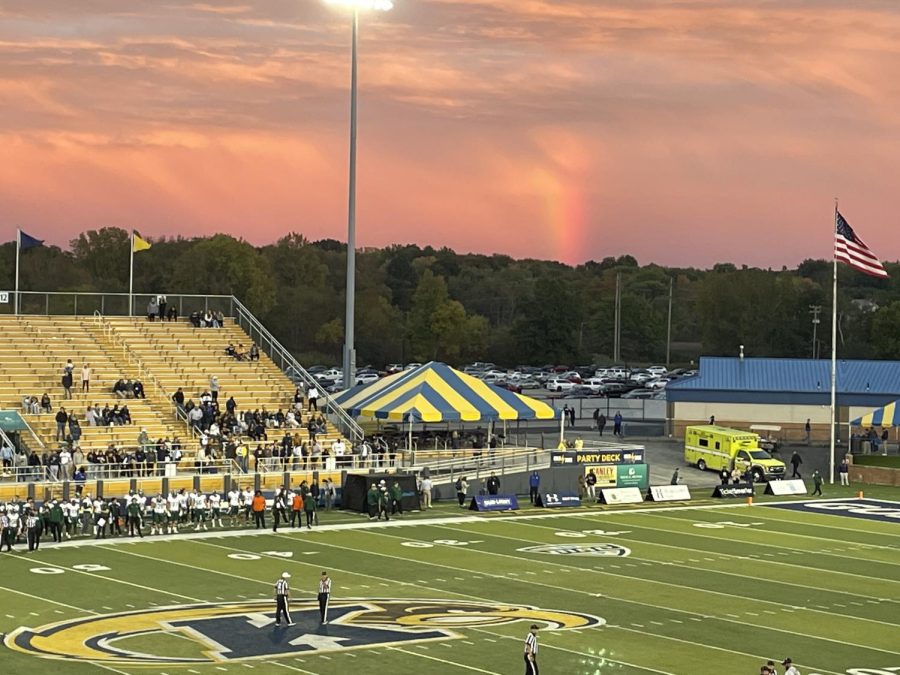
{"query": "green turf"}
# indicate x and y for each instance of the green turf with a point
(703, 591)
(891, 461)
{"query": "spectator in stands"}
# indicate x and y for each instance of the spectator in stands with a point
(195, 319)
(178, 397)
(240, 352)
(62, 418)
(74, 429)
(311, 427)
(45, 403)
(219, 321)
(312, 398)
(32, 405)
(138, 389)
(65, 464)
(152, 309)
(85, 377)
(207, 320)
(172, 314)
(67, 384)
(231, 405)
(119, 388)
(254, 352)
(214, 387)
(230, 350)
(161, 303)
(298, 400)
(125, 414)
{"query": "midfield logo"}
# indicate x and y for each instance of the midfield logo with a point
(230, 632)
(578, 549)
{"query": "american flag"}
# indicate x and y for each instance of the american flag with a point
(849, 248)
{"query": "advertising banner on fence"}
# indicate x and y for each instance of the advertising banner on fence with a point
(628, 495)
(669, 493)
(606, 475)
(600, 456)
(738, 490)
(494, 503)
(555, 501)
(632, 475)
(792, 486)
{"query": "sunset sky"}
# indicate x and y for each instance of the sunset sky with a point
(682, 132)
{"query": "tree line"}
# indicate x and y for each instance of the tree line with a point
(419, 303)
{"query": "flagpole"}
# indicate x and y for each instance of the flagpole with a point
(834, 316)
(18, 251)
(131, 279)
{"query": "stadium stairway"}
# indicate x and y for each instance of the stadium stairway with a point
(180, 355)
(33, 353)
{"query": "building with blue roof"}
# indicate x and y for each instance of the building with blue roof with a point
(785, 392)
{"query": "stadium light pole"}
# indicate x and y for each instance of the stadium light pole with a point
(355, 6)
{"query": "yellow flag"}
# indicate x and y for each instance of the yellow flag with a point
(139, 244)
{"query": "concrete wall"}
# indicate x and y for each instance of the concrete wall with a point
(874, 475)
(560, 479)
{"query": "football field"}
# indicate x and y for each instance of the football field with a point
(707, 590)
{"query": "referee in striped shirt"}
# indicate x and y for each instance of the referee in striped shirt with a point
(531, 650)
(282, 598)
(324, 594)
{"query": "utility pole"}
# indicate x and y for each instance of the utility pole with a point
(815, 310)
(669, 329)
(617, 328)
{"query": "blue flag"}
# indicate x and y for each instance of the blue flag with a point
(27, 241)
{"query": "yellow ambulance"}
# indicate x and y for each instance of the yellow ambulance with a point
(713, 447)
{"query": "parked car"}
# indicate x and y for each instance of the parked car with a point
(558, 384)
(511, 386)
(640, 376)
(392, 368)
(595, 384)
(572, 376)
(366, 377)
(330, 375)
(658, 383)
(657, 371)
(412, 366)
(639, 393)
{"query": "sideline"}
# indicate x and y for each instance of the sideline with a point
(366, 524)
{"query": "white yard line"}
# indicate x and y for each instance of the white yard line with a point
(446, 662)
(729, 596)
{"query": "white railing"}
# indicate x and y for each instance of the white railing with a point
(292, 368)
(146, 376)
(473, 462)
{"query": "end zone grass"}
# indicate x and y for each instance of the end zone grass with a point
(710, 590)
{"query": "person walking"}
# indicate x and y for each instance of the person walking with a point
(133, 517)
(531, 651)
(590, 484)
(33, 531)
(427, 486)
(601, 423)
(675, 477)
(296, 510)
(282, 600)
(309, 506)
(279, 508)
(324, 595)
(462, 487)
(617, 425)
(844, 472)
(534, 485)
(258, 506)
(312, 398)
(808, 429)
(796, 461)
(384, 499)
(817, 481)
(372, 501)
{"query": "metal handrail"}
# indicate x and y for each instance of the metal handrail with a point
(187, 466)
(110, 332)
(118, 302)
(348, 426)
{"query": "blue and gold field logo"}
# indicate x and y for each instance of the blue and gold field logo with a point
(228, 632)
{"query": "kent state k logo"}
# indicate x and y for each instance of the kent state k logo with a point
(229, 632)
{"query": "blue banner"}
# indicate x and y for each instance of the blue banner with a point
(552, 500)
(494, 503)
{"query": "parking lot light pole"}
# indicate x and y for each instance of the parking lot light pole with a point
(349, 351)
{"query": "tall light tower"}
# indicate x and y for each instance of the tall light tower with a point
(349, 350)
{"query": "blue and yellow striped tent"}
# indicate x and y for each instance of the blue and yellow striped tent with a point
(435, 392)
(887, 416)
